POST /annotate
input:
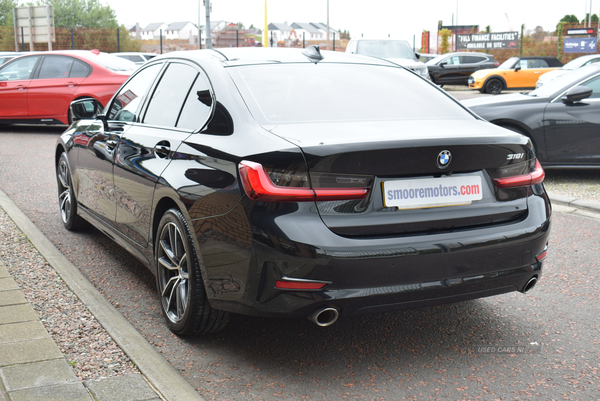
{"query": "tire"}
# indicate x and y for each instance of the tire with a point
(179, 280)
(66, 196)
(494, 86)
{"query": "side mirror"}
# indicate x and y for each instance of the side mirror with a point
(576, 94)
(443, 64)
(518, 67)
(418, 56)
(85, 109)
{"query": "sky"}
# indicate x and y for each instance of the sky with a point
(400, 19)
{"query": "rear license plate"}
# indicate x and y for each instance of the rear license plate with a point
(432, 192)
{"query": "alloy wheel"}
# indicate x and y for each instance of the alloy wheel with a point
(173, 270)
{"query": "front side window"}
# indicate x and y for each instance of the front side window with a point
(594, 85)
(126, 104)
(18, 69)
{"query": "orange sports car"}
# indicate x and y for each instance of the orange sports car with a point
(514, 73)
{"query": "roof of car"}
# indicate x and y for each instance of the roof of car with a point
(233, 56)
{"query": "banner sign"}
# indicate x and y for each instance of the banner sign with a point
(580, 45)
(581, 31)
(482, 41)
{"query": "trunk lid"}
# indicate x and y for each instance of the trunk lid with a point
(404, 154)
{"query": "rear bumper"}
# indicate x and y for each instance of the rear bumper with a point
(383, 274)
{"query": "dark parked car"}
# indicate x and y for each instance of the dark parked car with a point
(455, 68)
(561, 117)
(37, 88)
(294, 183)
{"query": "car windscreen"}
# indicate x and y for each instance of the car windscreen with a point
(556, 86)
(385, 49)
(327, 92)
(508, 64)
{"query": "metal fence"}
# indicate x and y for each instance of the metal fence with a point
(538, 44)
(105, 39)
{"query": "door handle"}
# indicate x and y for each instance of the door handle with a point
(71, 84)
(111, 144)
(162, 149)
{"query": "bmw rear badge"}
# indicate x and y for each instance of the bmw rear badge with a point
(444, 159)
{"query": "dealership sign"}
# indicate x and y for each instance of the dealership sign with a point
(581, 45)
(482, 41)
(581, 31)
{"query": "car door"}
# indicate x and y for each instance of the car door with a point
(177, 107)
(98, 143)
(572, 130)
(448, 70)
(52, 87)
(528, 75)
(468, 65)
(15, 78)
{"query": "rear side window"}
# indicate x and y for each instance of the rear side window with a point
(171, 92)
(197, 107)
(55, 67)
(473, 59)
(80, 69)
(296, 93)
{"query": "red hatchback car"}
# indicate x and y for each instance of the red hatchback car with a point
(38, 88)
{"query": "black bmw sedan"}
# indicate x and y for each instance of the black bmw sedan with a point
(295, 183)
(562, 118)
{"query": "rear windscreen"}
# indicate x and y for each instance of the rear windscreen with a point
(295, 93)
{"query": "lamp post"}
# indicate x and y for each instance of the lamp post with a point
(328, 48)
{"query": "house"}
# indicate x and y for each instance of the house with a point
(181, 30)
(215, 26)
(306, 31)
(279, 32)
(153, 31)
(135, 31)
(333, 34)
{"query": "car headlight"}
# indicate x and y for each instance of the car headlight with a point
(424, 72)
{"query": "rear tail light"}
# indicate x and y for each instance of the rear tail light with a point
(280, 186)
(517, 175)
(496, 64)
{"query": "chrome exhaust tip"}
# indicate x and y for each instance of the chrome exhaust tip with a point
(529, 285)
(324, 317)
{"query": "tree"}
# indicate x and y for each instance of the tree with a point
(82, 13)
(587, 15)
(240, 25)
(445, 42)
(569, 19)
(6, 12)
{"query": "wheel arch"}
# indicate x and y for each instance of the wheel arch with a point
(494, 77)
(518, 127)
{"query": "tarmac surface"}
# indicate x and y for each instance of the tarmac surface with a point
(33, 368)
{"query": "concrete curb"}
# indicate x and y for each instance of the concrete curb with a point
(574, 202)
(155, 368)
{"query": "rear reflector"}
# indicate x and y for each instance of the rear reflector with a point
(534, 177)
(299, 285)
(542, 255)
(258, 186)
